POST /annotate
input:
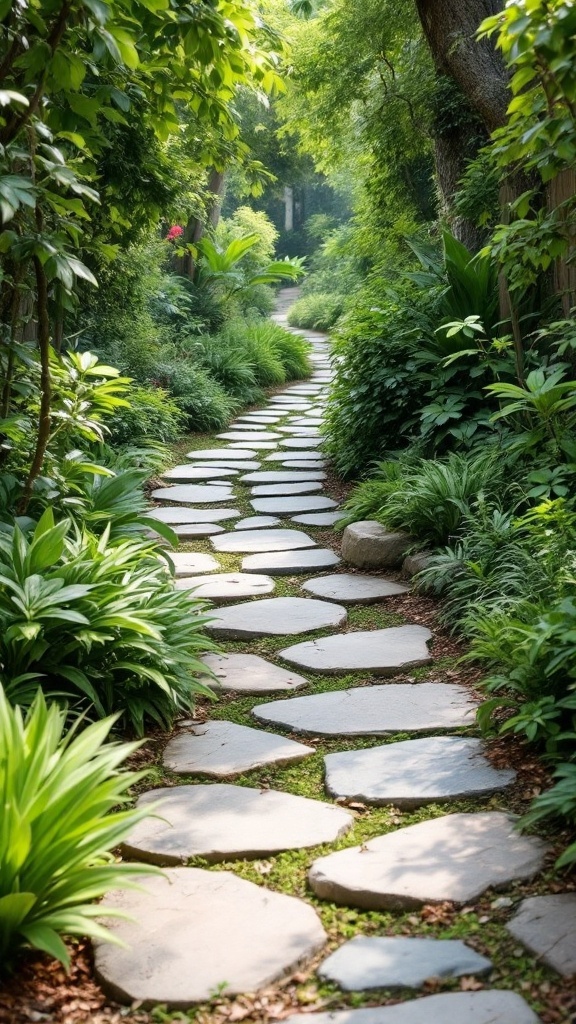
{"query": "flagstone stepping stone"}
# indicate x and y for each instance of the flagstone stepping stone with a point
(287, 400)
(313, 421)
(174, 515)
(454, 858)
(276, 616)
(268, 446)
(290, 506)
(280, 476)
(256, 523)
(227, 453)
(285, 563)
(189, 494)
(244, 427)
(304, 456)
(546, 925)
(297, 464)
(293, 405)
(301, 442)
(241, 466)
(318, 518)
(185, 934)
(380, 962)
(415, 772)
(248, 673)
(226, 822)
(487, 1006)
(374, 710)
(188, 563)
(285, 490)
(263, 540)
(186, 531)
(300, 431)
(258, 417)
(351, 588)
(186, 473)
(251, 438)
(221, 749)
(227, 586)
(381, 651)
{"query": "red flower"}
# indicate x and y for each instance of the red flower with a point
(174, 233)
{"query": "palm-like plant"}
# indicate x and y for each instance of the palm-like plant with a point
(221, 267)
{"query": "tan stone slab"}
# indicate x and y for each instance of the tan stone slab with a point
(248, 673)
(227, 586)
(222, 749)
(546, 925)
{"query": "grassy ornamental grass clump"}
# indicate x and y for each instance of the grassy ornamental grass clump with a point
(318, 311)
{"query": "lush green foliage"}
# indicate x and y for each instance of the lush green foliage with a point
(151, 413)
(318, 311)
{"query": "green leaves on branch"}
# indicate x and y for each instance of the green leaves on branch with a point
(221, 267)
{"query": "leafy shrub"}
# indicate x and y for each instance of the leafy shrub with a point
(318, 311)
(151, 415)
(228, 363)
(369, 496)
(202, 399)
(61, 798)
(101, 624)
(559, 801)
(292, 351)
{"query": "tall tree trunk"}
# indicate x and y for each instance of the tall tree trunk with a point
(196, 226)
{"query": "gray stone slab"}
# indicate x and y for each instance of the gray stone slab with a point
(269, 446)
(184, 937)
(282, 476)
(248, 673)
(291, 506)
(314, 421)
(304, 456)
(381, 651)
(190, 563)
(546, 925)
(227, 453)
(369, 545)
(248, 541)
(187, 531)
(243, 465)
(183, 474)
(226, 822)
(275, 616)
(317, 518)
(487, 1006)
(454, 858)
(285, 563)
(299, 431)
(190, 494)
(374, 710)
(285, 490)
(222, 749)
(251, 437)
(415, 772)
(297, 464)
(249, 427)
(259, 417)
(256, 523)
(301, 442)
(172, 514)
(381, 962)
(227, 586)
(353, 588)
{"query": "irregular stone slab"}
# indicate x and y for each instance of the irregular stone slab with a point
(188, 563)
(190, 494)
(252, 437)
(285, 490)
(318, 518)
(352, 588)
(259, 417)
(247, 673)
(186, 531)
(275, 616)
(304, 456)
(279, 476)
(285, 563)
(242, 465)
(172, 514)
(546, 925)
(374, 710)
(381, 651)
(369, 545)
(366, 962)
(413, 564)
(415, 772)
(250, 426)
(256, 523)
(301, 442)
(264, 540)
(290, 506)
(184, 473)
(454, 858)
(185, 936)
(220, 749)
(314, 421)
(222, 453)
(227, 586)
(226, 822)
(488, 1006)
(297, 464)
(300, 431)
(269, 446)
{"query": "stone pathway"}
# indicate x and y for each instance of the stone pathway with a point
(193, 933)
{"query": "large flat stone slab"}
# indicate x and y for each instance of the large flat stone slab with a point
(248, 673)
(183, 474)
(487, 1006)
(228, 453)
(318, 518)
(172, 514)
(381, 651)
(279, 476)
(290, 506)
(187, 531)
(242, 466)
(226, 822)
(190, 563)
(374, 710)
(190, 494)
(304, 456)
(249, 436)
(415, 772)
(285, 490)
(256, 523)
(276, 616)
(301, 442)
(263, 540)
(546, 925)
(353, 588)
(221, 749)
(185, 935)
(285, 563)
(297, 464)
(262, 446)
(454, 858)
(381, 962)
(227, 586)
